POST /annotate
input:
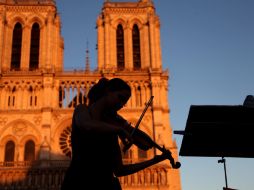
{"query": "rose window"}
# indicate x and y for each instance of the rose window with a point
(65, 141)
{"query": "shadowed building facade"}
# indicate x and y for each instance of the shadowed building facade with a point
(37, 97)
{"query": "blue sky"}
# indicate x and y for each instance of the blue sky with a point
(208, 47)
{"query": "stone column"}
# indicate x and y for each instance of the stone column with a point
(113, 59)
(25, 49)
(128, 55)
(107, 43)
(2, 20)
(8, 47)
(57, 43)
(100, 43)
(43, 47)
(158, 44)
(152, 41)
(50, 36)
(144, 47)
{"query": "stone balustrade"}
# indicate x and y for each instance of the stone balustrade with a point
(34, 175)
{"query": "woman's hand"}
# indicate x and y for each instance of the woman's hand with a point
(124, 136)
(166, 154)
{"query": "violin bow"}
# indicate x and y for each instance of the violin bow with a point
(128, 145)
(174, 164)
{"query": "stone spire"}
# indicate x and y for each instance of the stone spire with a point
(87, 68)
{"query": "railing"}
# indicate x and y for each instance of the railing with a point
(34, 175)
(35, 164)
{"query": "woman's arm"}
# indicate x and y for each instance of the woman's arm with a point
(123, 170)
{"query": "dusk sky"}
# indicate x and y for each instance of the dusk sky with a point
(208, 47)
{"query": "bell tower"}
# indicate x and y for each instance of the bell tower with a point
(129, 36)
(128, 45)
(30, 36)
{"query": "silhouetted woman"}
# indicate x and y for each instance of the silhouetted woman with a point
(96, 155)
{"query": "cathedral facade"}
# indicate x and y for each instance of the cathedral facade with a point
(37, 96)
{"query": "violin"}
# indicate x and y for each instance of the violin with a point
(140, 138)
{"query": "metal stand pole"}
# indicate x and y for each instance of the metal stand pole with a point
(225, 171)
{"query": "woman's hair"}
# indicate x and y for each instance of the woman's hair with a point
(104, 85)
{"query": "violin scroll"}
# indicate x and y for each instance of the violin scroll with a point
(168, 155)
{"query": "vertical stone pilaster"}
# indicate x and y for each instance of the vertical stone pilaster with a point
(55, 94)
(147, 47)
(128, 47)
(57, 44)
(43, 47)
(133, 96)
(5, 98)
(142, 48)
(152, 42)
(8, 47)
(107, 42)
(47, 90)
(113, 59)
(22, 89)
(2, 20)
(158, 44)
(50, 36)
(25, 51)
(100, 43)
(18, 99)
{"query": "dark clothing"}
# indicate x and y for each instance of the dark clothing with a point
(92, 161)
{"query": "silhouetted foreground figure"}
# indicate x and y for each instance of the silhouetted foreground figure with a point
(96, 154)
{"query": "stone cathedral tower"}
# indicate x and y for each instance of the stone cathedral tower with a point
(37, 96)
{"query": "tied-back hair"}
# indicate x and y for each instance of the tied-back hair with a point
(105, 85)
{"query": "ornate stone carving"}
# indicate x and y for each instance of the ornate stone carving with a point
(3, 120)
(37, 120)
(19, 129)
(65, 141)
(56, 116)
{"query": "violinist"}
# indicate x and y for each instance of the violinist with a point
(96, 154)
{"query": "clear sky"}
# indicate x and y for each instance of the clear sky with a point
(208, 47)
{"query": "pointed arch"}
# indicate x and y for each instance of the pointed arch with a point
(16, 46)
(9, 151)
(29, 152)
(120, 47)
(34, 47)
(38, 18)
(136, 47)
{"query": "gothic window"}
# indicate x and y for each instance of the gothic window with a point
(16, 47)
(29, 151)
(138, 97)
(65, 141)
(136, 47)
(35, 100)
(120, 47)
(11, 98)
(9, 151)
(34, 47)
(61, 96)
(31, 100)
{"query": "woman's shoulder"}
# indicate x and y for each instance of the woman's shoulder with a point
(81, 113)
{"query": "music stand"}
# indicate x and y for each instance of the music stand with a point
(219, 131)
